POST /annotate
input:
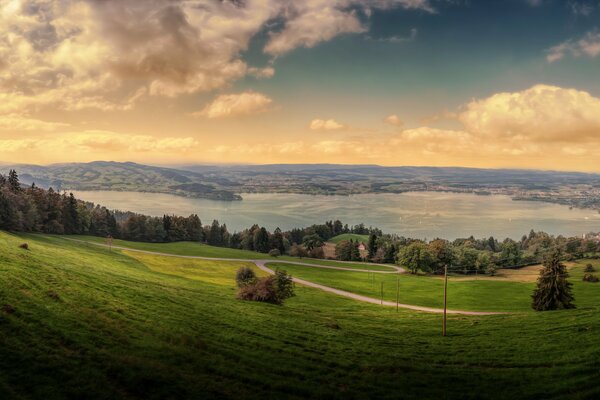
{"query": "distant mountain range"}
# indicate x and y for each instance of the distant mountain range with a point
(227, 182)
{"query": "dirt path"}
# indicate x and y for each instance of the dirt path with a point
(262, 265)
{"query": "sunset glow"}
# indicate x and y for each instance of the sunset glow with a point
(389, 82)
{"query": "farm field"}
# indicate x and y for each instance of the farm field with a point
(79, 321)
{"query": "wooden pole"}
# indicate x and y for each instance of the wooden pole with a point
(445, 299)
(381, 292)
(398, 292)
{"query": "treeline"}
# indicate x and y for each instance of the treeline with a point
(469, 255)
(32, 209)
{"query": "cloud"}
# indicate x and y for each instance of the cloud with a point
(109, 54)
(541, 112)
(232, 105)
(397, 39)
(18, 122)
(325, 125)
(393, 120)
(580, 8)
(316, 22)
(260, 73)
(311, 22)
(588, 45)
(97, 142)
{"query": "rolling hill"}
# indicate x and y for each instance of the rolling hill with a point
(79, 321)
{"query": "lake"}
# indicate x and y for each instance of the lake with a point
(416, 214)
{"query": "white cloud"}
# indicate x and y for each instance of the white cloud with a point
(588, 45)
(393, 120)
(97, 142)
(18, 122)
(231, 105)
(74, 54)
(266, 72)
(309, 23)
(325, 125)
(541, 112)
(317, 21)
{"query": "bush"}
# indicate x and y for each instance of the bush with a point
(24, 246)
(491, 269)
(262, 289)
(298, 251)
(245, 276)
(589, 268)
(317, 252)
(285, 284)
(274, 253)
(273, 289)
(590, 278)
(7, 309)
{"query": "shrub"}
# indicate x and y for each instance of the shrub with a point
(245, 276)
(285, 285)
(590, 278)
(274, 253)
(8, 309)
(24, 246)
(298, 251)
(589, 268)
(317, 252)
(491, 269)
(262, 289)
(273, 289)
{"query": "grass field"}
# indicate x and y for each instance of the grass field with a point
(471, 294)
(202, 250)
(347, 236)
(88, 323)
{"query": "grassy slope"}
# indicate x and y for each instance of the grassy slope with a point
(472, 294)
(348, 236)
(129, 325)
(202, 250)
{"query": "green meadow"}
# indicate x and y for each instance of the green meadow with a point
(349, 236)
(79, 321)
(470, 294)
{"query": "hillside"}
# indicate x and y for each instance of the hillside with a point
(227, 182)
(78, 321)
(128, 176)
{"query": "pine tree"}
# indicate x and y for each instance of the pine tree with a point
(13, 181)
(553, 290)
(372, 245)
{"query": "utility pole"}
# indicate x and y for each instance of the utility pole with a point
(445, 298)
(398, 292)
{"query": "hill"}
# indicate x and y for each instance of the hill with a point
(78, 321)
(102, 175)
(349, 236)
(227, 182)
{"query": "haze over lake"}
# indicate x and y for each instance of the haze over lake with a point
(415, 214)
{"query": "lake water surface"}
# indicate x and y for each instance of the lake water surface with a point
(419, 214)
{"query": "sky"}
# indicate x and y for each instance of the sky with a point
(472, 83)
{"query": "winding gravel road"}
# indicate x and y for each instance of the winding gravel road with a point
(262, 264)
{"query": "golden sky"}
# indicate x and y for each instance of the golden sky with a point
(270, 81)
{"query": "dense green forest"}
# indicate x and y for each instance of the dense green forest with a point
(33, 209)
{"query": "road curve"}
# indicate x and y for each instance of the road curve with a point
(261, 264)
